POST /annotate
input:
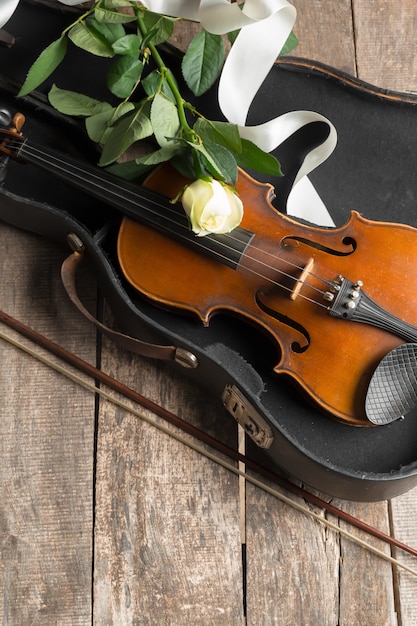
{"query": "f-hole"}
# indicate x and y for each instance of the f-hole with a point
(349, 242)
(297, 346)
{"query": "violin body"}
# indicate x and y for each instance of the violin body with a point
(241, 354)
(331, 360)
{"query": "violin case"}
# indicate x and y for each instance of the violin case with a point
(372, 170)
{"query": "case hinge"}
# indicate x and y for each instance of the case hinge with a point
(256, 426)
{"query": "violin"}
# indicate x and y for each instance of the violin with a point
(334, 301)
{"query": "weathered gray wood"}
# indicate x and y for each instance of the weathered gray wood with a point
(292, 565)
(46, 450)
(403, 520)
(167, 543)
(386, 56)
(168, 522)
(366, 582)
(385, 35)
(324, 29)
(294, 574)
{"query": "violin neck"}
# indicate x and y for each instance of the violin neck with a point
(138, 203)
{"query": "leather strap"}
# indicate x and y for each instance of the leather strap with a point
(155, 351)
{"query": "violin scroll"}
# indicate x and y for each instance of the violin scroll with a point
(7, 146)
(14, 126)
(5, 118)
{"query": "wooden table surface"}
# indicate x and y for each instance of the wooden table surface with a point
(106, 520)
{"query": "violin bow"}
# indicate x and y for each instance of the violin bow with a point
(233, 455)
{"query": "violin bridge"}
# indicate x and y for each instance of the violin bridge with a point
(300, 281)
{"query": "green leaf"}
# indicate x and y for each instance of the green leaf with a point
(203, 61)
(106, 16)
(128, 44)
(161, 25)
(73, 103)
(155, 82)
(124, 75)
(109, 32)
(89, 39)
(164, 119)
(232, 35)
(224, 160)
(223, 133)
(114, 4)
(148, 38)
(219, 161)
(152, 82)
(290, 44)
(128, 129)
(160, 156)
(99, 126)
(44, 65)
(254, 158)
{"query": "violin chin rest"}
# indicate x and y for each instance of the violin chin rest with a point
(392, 392)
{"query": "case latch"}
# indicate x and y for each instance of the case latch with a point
(256, 426)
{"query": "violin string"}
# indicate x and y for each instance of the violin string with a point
(43, 156)
(77, 171)
(166, 207)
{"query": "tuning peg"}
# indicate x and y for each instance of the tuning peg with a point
(18, 121)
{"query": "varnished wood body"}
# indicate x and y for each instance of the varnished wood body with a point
(331, 360)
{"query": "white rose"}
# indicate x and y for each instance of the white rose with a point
(212, 207)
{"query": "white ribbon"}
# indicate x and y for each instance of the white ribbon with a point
(7, 8)
(264, 28)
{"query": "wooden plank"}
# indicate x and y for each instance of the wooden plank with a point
(325, 32)
(167, 541)
(361, 590)
(386, 56)
(385, 34)
(300, 571)
(366, 582)
(291, 561)
(46, 449)
(404, 512)
(292, 564)
(167, 536)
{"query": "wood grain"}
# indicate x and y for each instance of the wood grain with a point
(366, 583)
(168, 545)
(403, 519)
(122, 525)
(46, 450)
(325, 32)
(385, 34)
(293, 565)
